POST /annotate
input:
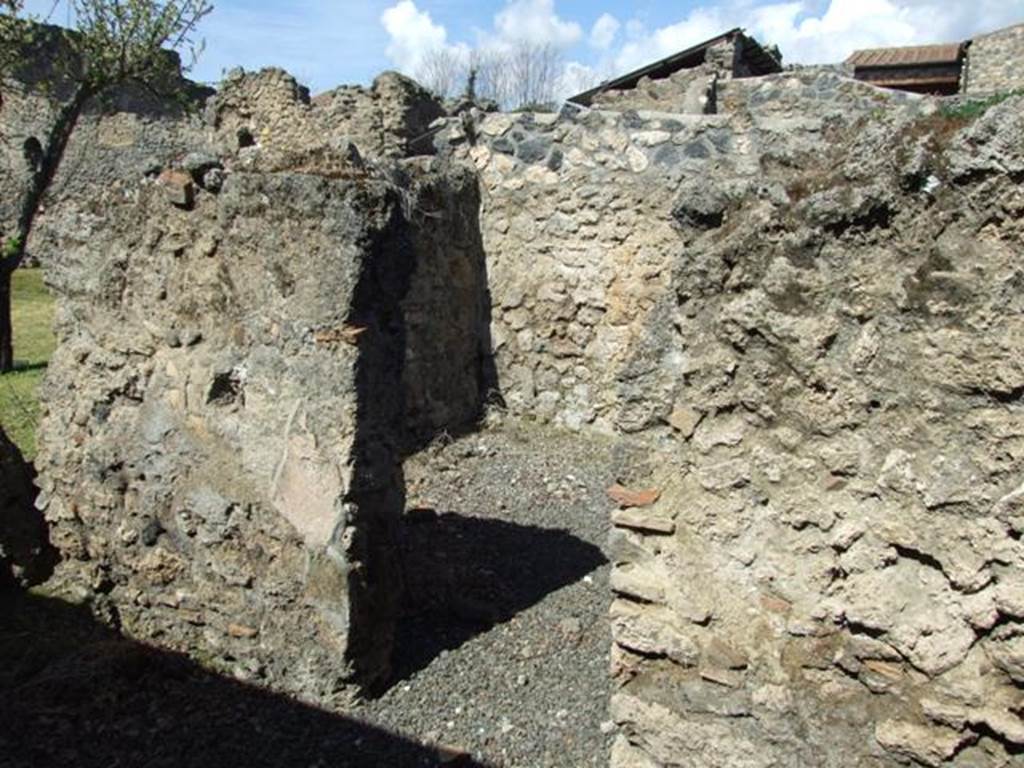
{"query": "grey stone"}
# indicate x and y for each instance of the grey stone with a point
(533, 150)
(696, 150)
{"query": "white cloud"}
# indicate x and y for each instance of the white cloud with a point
(643, 47)
(604, 31)
(847, 25)
(844, 26)
(535, 21)
(820, 32)
(807, 31)
(412, 34)
(576, 78)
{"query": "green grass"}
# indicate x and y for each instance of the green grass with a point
(33, 344)
(971, 110)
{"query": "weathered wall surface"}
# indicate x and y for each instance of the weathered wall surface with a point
(274, 111)
(204, 459)
(814, 331)
(220, 457)
(832, 575)
(994, 62)
(585, 204)
(810, 92)
(806, 311)
(130, 133)
(587, 200)
(132, 136)
(448, 370)
(689, 91)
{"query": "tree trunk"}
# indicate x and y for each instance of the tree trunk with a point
(38, 184)
(49, 163)
(6, 329)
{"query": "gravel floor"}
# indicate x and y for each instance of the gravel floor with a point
(504, 651)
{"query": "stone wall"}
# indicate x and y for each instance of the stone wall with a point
(449, 373)
(689, 91)
(587, 198)
(818, 92)
(131, 133)
(802, 316)
(271, 110)
(220, 454)
(832, 573)
(585, 203)
(995, 62)
(129, 136)
(810, 327)
(804, 92)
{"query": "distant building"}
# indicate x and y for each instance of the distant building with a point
(732, 54)
(987, 64)
(934, 69)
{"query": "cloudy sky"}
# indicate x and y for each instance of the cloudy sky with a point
(330, 42)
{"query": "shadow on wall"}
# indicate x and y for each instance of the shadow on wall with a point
(449, 375)
(465, 575)
(72, 692)
(26, 556)
(425, 368)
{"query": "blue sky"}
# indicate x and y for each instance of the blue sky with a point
(329, 42)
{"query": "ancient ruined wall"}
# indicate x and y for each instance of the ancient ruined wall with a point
(449, 371)
(127, 136)
(812, 330)
(238, 372)
(689, 91)
(806, 313)
(579, 245)
(810, 92)
(212, 460)
(994, 62)
(579, 227)
(832, 575)
(130, 133)
(272, 110)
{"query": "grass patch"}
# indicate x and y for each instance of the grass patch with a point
(971, 110)
(34, 342)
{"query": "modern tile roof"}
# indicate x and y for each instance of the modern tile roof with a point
(910, 56)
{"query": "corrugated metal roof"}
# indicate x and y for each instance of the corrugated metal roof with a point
(910, 56)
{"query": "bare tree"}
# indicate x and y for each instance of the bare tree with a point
(578, 78)
(442, 71)
(535, 71)
(114, 43)
(515, 76)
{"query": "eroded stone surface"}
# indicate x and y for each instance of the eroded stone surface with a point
(805, 311)
(821, 359)
(220, 463)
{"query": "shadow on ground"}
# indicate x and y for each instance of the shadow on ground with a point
(466, 575)
(73, 693)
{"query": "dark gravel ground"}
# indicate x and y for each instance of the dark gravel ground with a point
(504, 652)
(502, 659)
